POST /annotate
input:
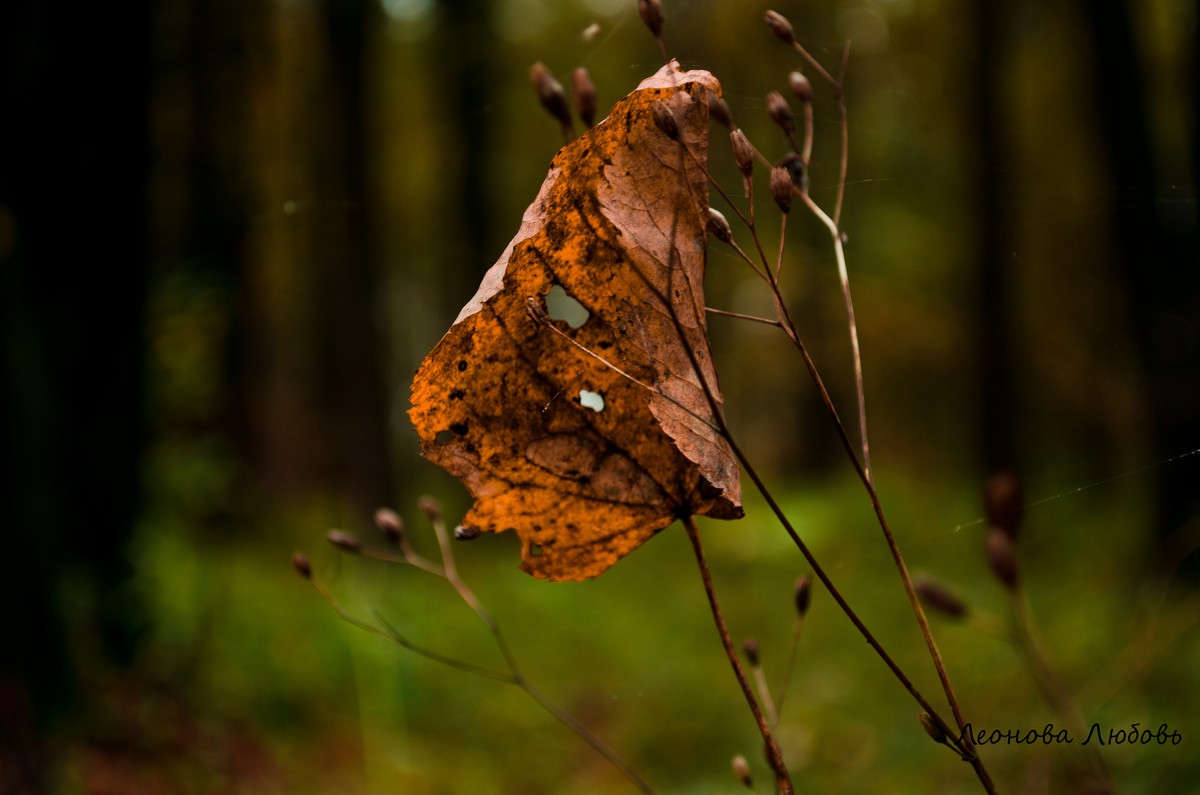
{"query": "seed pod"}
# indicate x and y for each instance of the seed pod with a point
(780, 26)
(465, 533)
(750, 649)
(931, 728)
(718, 109)
(390, 523)
(550, 93)
(1002, 557)
(781, 188)
(794, 166)
(301, 565)
(937, 596)
(1003, 502)
(430, 507)
(800, 87)
(741, 769)
(781, 112)
(802, 595)
(584, 93)
(347, 542)
(652, 15)
(743, 152)
(718, 226)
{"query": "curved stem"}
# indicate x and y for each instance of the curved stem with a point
(856, 354)
(967, 747)
(513, 676)
(1029, 640)
(783, 781)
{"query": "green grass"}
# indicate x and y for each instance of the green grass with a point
(243, 645)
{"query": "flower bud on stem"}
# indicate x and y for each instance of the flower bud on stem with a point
(551, 95)
(584, 93)
(347, 542)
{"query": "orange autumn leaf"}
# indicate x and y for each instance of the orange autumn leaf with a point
(588, 434)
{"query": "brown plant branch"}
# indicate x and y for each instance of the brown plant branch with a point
(1029, 640)
(961, 745)
(783, 781)
(864, 474)
(448, 570)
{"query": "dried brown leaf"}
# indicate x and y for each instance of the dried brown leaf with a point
(590, 440)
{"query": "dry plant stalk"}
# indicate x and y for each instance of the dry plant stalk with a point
(580, 478)
(392, 527)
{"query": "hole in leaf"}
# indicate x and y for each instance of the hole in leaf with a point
(561, 306)
(443, 437)
(535, 550)
(593, 400)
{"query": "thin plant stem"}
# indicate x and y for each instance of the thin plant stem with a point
(779, 259)
(513, 676)
(967, 746)
(739, 316)
(790, 667)
(855, 352)
(764, 693)
(1156, 635)
(806, 150)
(783, 781)
(1029, 639)
(845, 128)
(960, 743)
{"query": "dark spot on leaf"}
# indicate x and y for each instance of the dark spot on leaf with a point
(460, 428)
(457, 394)
(462, 365)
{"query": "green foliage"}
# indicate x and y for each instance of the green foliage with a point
(246, 682)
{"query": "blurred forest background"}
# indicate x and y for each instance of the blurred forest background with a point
(230, 229)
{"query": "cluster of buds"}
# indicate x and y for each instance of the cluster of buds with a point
(554, 99)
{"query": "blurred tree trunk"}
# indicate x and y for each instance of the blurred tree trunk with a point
(463, 237)
(352, 369)
(1158, 260)
(74, 155)
(994, 362)
(316, 411)
(466, 35)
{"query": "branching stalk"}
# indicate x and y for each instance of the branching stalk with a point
(783, 781)
(448, 570)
